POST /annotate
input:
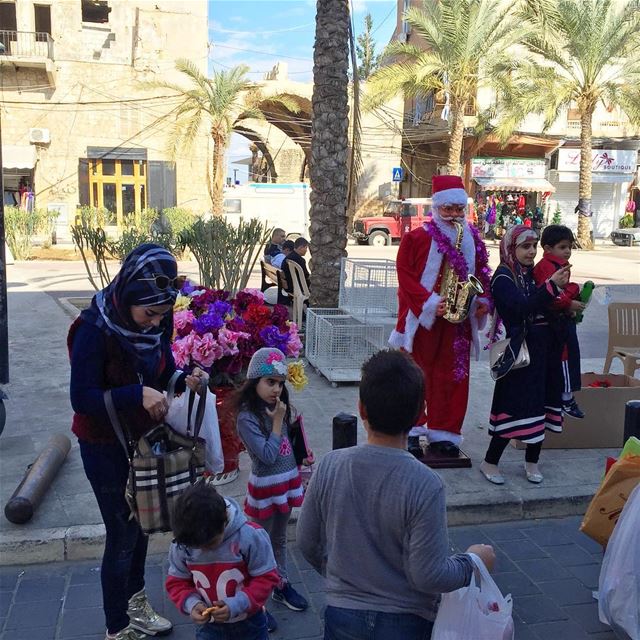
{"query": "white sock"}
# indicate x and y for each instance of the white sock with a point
(567, 396)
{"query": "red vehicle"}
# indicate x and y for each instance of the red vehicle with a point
(399, 217)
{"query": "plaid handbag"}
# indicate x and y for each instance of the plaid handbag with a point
(162, 464)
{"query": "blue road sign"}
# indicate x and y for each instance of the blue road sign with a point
(398, 174)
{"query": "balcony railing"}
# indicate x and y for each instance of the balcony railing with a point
(26, 44)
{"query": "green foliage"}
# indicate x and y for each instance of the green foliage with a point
(557, 216)
(177, 219)
(94, 217)
(226, 254)
(627, 221)
(92, 243)
(368, 60)
(21, 226)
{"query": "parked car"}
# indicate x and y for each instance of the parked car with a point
(626, 237)
(379, 231)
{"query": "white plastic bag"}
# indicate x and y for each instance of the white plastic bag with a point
(619, 586)
(480, 611)
(177, 417)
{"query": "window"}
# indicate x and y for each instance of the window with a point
(232, 206)
(95, 11)
(8, 19)
(42, 13)
(118, 185)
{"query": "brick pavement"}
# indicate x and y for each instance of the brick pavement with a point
(548, 566)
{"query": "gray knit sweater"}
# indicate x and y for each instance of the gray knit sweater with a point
(374, 522)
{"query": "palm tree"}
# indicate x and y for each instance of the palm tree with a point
(459, 38)
(220, 103)
(329, 150)
(579, 52)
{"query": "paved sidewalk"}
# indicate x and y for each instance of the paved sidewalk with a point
(548, 566)
(67, 525)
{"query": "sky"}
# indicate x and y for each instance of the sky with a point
(260, 33)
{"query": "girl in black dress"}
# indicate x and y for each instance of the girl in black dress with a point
(525, 400)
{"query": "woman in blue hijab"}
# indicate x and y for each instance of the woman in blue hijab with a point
(123, 343)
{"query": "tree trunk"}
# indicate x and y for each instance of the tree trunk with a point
(329, 150)
(584, 193)
(455, 143)
(217, 174)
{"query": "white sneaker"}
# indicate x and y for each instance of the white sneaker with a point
(128, 633)
(143, 618)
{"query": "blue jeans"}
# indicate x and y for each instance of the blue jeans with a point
(253, 628)
(353, 624)
(125, 549)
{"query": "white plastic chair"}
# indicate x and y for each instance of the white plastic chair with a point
(300, 291)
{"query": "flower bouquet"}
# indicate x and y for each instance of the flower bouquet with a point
(219, 334)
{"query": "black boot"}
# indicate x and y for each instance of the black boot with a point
(414, 446)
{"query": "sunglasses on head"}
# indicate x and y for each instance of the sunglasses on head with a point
(449, 208)
(164, 282)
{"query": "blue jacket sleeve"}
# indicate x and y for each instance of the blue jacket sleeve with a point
(87, 385)
(511, 302)
(265, 448)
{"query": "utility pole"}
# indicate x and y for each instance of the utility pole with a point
(4, 320)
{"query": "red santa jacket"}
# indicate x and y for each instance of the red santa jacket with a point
(419, 267)
(547, 266)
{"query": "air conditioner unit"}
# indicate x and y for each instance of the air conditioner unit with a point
(39, 136)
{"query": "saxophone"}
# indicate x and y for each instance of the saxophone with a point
(458, 295)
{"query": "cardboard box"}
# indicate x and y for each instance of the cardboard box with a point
(603, 423)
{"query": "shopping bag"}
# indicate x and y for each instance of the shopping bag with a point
(619, 585)
(178, 418)
(607, 504)
(162, 464)
(478, 611)
(298, 440)
(301, 451)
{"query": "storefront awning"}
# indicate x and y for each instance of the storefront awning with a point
(515, 184)
(18, 157)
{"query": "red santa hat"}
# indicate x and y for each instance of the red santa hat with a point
(448, 190)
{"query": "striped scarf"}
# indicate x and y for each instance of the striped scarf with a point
(110, 307)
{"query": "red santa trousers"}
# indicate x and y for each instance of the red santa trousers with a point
(433, 351)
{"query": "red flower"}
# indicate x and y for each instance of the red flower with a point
(258, 315)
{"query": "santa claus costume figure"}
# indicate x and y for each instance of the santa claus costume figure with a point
(440, 348)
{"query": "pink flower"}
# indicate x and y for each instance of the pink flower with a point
(256, 293)
(294, 346)
(182, 318)
(274, 357)
(182, 349)
(206, 350)
(228, 340)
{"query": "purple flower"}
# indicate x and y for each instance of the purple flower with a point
(221, 308)
(187, 288)
(272, 337)
(208, 322)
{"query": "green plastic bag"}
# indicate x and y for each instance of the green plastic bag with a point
(631, 447)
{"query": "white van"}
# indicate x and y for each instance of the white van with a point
(277, 205)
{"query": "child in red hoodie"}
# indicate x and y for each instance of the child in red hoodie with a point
(556, 242)
(221, 566)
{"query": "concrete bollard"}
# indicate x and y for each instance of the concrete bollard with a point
(631, 420)
(345, 431)
(37, 480)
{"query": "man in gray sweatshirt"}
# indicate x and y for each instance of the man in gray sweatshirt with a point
(374, 519)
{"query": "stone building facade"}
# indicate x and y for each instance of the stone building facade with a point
(78, 125)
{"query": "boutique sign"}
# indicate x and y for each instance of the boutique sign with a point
(603, 160)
